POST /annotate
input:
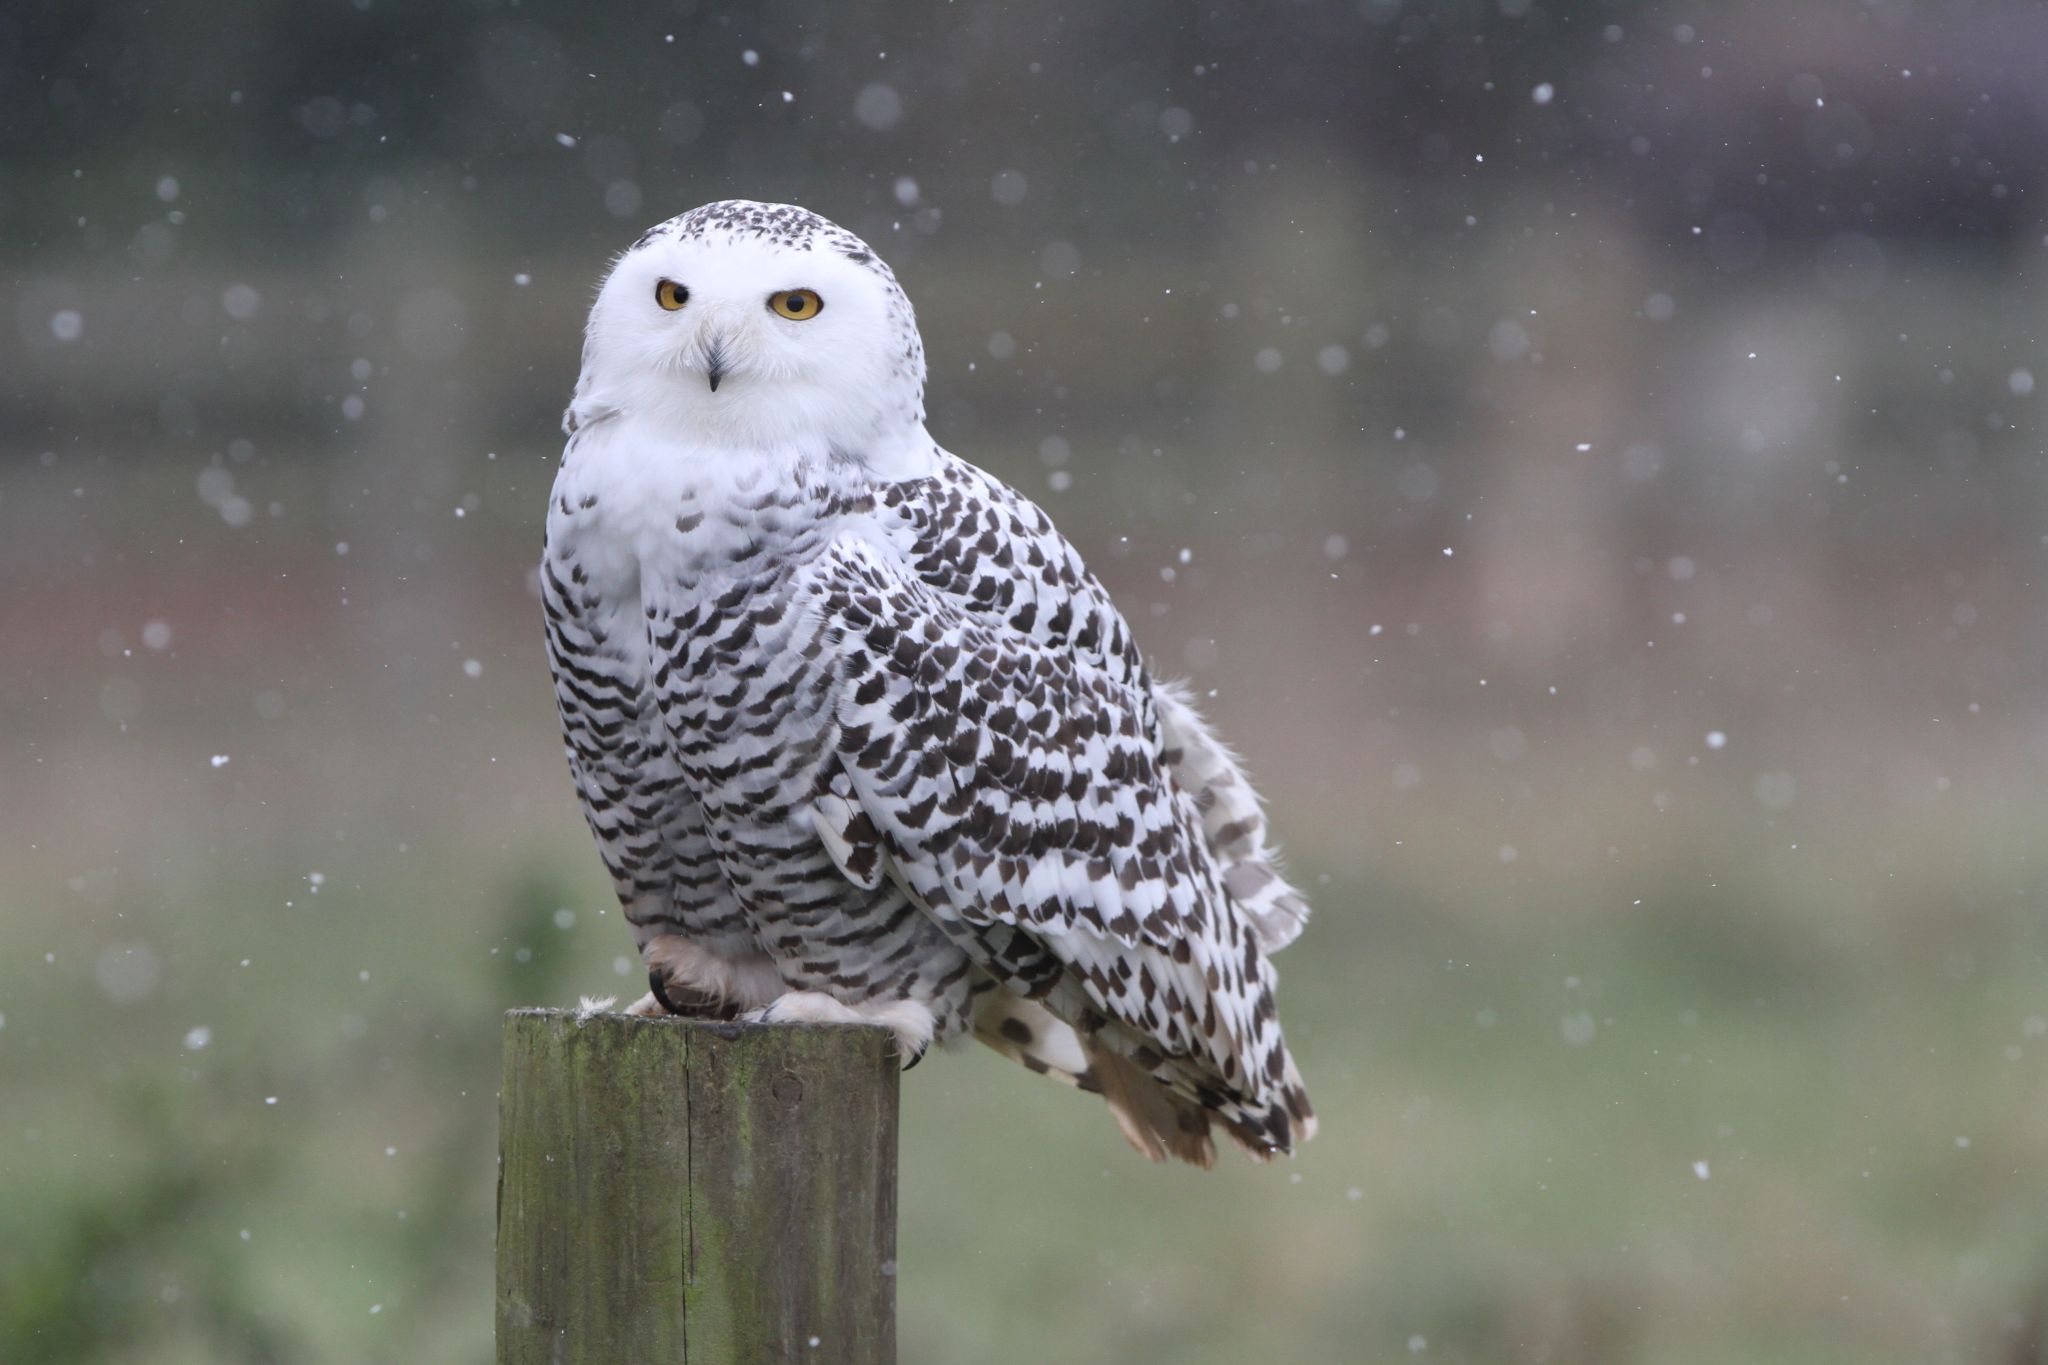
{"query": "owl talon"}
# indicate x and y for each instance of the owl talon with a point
(657, 982)
(686, 1001)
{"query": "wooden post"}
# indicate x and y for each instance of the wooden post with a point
(672, 1190)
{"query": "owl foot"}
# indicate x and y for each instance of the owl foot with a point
(676, 997)
(911, 1022)
(666, 1006)
(686, 979)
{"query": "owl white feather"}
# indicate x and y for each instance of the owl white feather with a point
(859, 735)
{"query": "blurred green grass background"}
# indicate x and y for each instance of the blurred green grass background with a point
(1608, 524)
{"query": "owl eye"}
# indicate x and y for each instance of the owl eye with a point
(798, 305)
(671, 295)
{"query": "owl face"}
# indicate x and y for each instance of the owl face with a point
(757, 324)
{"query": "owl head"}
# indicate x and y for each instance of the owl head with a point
(749, 325)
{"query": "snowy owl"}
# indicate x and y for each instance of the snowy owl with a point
(859, 735)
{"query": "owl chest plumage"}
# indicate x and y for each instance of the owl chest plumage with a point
(735, 689)
(697, 555)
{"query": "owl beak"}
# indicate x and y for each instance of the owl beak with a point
(715, 362)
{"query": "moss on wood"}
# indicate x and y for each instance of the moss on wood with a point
(670, 1189)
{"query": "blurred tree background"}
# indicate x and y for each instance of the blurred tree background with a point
(1586, 453)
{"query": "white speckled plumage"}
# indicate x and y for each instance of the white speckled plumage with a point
(858, 733)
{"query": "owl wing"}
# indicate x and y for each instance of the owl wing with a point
(997, 555)
(1016, 788)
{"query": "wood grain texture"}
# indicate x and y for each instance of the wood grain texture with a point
(671, 1190)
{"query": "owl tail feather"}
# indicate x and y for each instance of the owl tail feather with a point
(1272, 1123)
(1155, 1120)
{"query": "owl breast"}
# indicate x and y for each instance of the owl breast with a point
(689, 562)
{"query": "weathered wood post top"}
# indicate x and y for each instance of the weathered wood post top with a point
(672, 1189)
